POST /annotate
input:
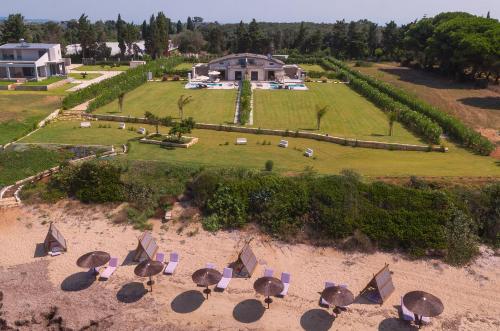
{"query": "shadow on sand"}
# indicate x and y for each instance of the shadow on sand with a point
(40, 250)
(187, 302)
(78, 281)
(492, 103)
(248, 311)
(391, 324)
(131, 292)
(316, 320)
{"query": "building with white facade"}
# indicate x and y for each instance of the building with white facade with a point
(31, 61)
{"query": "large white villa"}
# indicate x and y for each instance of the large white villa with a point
(31, 61)
(254, 67)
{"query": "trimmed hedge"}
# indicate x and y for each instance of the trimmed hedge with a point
(108, 90)
(455, 128)
(245, 102)
(414, 121)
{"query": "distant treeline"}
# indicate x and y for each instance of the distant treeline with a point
(457, 44)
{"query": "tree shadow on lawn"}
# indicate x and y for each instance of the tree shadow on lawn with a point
(492, 103)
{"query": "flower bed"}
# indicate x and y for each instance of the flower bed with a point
(169, 141)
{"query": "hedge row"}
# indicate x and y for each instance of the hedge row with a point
(414, 121)
(109, 89)
(457, 130)
(178, 72)
(245, 102)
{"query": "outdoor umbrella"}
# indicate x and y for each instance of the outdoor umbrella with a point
(337, 296)
(93, 260)
(268, 286)
(206, 277)
(423, 304)
(148, 268)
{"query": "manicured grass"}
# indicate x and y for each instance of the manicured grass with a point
(349, 115)
(89, 76)
(20, 111)
(45, 82)
(18, 165)
(311, 67)
(184, 66)
(102, 68)
(330, 158)
(6, 82)
(69, 132)
(160, 98)
(211, 150)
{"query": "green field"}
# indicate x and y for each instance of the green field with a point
(349, 115)
(311, 67)
(211, 150)
(101, 68)
(160, 98)
(48, 81)
(184, 66)
(89, 76)
(6, 82)
(20, 111)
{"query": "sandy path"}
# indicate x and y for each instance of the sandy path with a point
(470, 295)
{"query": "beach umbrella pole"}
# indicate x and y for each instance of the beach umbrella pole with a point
(151, 284)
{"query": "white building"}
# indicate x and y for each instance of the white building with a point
(31, 61)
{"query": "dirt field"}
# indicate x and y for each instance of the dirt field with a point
(40, 293)
(479, 108)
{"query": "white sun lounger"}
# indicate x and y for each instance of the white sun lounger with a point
(226, 278)
(55, 251)
(110, 269)
(268, 272)
(285, 278)
(160, 257)
(121, 126)
(210, 266)
(407, 315)
(172, 264)
(323, 301)
(241, 141)
(85, 124)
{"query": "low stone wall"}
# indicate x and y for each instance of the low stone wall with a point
(284, 133)
(41, 87)
(145, 140)
(7, 87)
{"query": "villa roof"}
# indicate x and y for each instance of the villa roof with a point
(246, 55)
(27, 46)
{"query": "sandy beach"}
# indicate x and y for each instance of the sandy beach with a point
(32, 286)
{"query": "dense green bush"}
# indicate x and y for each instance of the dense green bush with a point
(414, 121)
(245, 102)
(108, 90)
(451, 125)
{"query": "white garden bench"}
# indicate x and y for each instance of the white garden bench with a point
(241, 141)
(283, 143)
(309, 152)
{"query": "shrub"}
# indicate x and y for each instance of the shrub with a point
(229, 207)
(245, 102)
(461, 237)
(269, 165)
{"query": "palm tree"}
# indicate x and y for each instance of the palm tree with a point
(121, 98)
(320, 112)
(183, 100)
(392, 116)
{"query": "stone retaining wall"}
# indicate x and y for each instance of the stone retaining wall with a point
(284, 133)
(41, 87)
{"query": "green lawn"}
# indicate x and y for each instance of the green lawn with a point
(101, 68)
(330, 158)
(18, 165)
(44, 82)
(6, 82)
(184, 66)
(66, 132)
(311, 67)
(21, 110)
(88, 77)
(350, 115)
(160, 98)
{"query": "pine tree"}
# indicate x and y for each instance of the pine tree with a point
(179, 27)
(190, 24)
(13, 29)
(120, 31)
(160, 39)
(301, 37)
(86, 36)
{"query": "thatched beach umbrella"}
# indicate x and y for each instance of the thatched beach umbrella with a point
(148, 268)
(337, 296)
(268, 286)
(423, 304)
(93, 260)
(206, 277)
